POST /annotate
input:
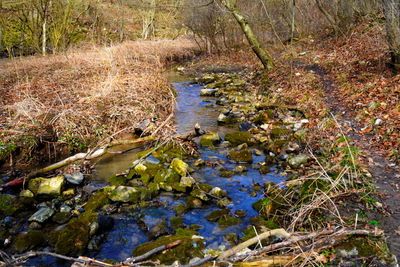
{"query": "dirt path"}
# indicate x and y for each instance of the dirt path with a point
(386, 174)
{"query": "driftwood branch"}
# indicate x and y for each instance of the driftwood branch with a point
(252, 241)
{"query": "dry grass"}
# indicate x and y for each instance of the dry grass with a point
(82, 96)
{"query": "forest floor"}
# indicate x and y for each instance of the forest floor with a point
(60, 104)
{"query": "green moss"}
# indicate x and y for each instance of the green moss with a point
(237, 138)
(365, 248)
(209, 140)
(193, 202)
(260, 221)
(232, 238)
(30, 240)
(188, 248)
(244, 155)
(264, 169)
(7, 204)
(168, 176)
(205, 187)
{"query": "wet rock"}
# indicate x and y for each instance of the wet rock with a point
(159, 230)
(241, 213)
(75, 178)
(200, 194)
(191, 246)
(242, 146)
(125, 194)
(224, 202)
(199, 163)
(193, 202)
(28, 241)
(68, 193)
(218, 192)
(206, 79)
(291, 147)
(140, 168)
(245, 126)
(208, 92)
(241, 156)
(179, 166)
(277, 133)
(228, 221)
(42, 215)
(222, 118)
(210, 139)
(47, 186)
(298, 160)
(240, 169)
(215, 215)
(7, 204)
(187, 181)
(264, 169)
(152, 160)
(237, 138)
(257, 152)
(34, 226)
(26, 193)
(65, 208)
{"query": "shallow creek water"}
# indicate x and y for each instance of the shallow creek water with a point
(191, 109)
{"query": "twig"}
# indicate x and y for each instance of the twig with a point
(200, 261)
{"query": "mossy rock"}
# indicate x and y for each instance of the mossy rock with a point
(226, 174)
(205, 187)
(171, 150)
(181, 209)
(176, 222)
(188, 248)
(117, 180)
(244, 155)
(179, 166)
(279, 133)
(226, 221)
(28, 241)
(61, 217)
(264, 169)
(47, 186)
(200, 194)
(215, 215)
(73, 239)
(7, 204)
(125, 194)
(209, 139)
(260, 221)
(237, 138)
(193, 202)
(97, 201)
(168, 176)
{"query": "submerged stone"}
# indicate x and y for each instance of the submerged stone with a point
(240, 169)
(179, 166)
(210, 139)
(42, 215)
(217, 192)
(226, 174)
(215, 215)
(159, 230)
(224, 202)
(200, 194)
(241, 156)
(193, 202)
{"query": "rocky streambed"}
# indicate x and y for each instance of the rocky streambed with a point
(211, 195)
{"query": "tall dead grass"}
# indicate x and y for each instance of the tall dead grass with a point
(81, 96)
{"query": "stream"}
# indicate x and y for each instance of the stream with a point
(127, 234)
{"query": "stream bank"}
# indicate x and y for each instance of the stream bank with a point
(222, 193)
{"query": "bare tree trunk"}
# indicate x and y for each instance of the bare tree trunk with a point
(148, 20)
(255, 44)
(328, 16)
(392, 16)
(44, 37)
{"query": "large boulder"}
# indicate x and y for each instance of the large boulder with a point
(47, 186)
